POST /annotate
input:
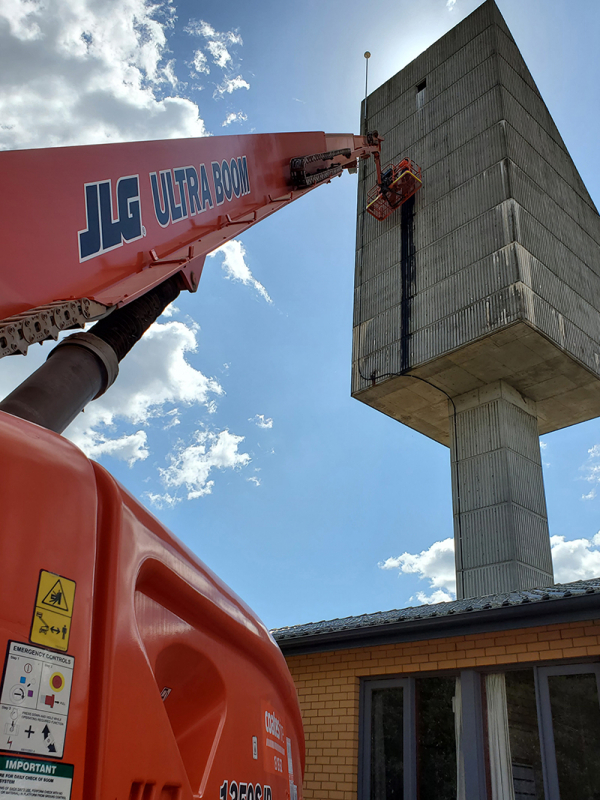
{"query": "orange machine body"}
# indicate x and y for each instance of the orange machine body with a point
(177, 690)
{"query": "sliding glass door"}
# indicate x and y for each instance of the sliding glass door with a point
(569, 713)
(536, 736)
(408, 739)
(388, 740)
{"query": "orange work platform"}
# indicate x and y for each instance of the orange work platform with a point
(398, 183)
(131, 671)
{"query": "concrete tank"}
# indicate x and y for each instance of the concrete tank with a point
(476, 314)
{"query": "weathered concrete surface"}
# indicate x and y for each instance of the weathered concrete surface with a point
(564, 391)
(493, 272)
(500, 521)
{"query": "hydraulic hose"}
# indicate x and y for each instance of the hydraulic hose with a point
(83, 366)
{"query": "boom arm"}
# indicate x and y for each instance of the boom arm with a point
(88, 229)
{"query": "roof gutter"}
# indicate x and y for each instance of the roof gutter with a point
(524, 615)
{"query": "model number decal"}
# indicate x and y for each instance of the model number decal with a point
(244, 791)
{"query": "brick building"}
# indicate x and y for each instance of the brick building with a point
(493, 697)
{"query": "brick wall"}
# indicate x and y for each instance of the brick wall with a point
(328, 687)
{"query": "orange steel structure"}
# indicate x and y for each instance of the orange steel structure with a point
(131, 672)
(175, 204)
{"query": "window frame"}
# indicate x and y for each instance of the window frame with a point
(472, 717)
(545, 726)
(409, 755)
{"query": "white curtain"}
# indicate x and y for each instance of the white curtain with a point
(500, 759)
(460, 758)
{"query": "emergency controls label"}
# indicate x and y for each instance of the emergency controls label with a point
(34, 701)
(24, 777)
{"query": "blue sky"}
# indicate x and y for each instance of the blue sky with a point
(233, 419)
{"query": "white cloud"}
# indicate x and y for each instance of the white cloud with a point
(198, 27)
(574, 560)
(544, 453)
(254, 480)
(220, 53)
(192, 465)
(236, 268)
(89, 71)
(170, 311)
(130, 447)
(229, 85)
(162, 500)
(239, 117)
(172, 419)
(219, 45)
(591, 471)
(199, 63)
(169, 73)
(436, 564)
(260, 420)
(21, 19)
(450, 4)
(438, 596)
(154, 375)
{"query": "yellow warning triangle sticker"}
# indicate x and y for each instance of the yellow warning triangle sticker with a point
(55, 598)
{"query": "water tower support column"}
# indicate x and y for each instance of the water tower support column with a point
(500, 521)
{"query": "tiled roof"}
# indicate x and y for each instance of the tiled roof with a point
(461, 608)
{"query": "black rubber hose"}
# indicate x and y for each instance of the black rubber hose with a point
(126, 326)
(74, 374)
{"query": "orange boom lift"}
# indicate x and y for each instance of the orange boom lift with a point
(130, 671)
(395, 185)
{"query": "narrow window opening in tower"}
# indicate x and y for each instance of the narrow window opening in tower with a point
(421, 87)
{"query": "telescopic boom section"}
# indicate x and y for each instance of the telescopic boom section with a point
(89, 230)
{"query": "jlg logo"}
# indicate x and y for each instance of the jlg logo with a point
(104, 232)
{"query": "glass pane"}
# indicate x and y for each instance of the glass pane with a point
(436, 739)
(524, 735)
(387, 758)
(576, 726)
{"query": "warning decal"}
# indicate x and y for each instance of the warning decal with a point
(51, 624)
(55, 598)
(24, 777)
(34, 701)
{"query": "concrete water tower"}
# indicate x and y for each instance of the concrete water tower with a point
(477, 303)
